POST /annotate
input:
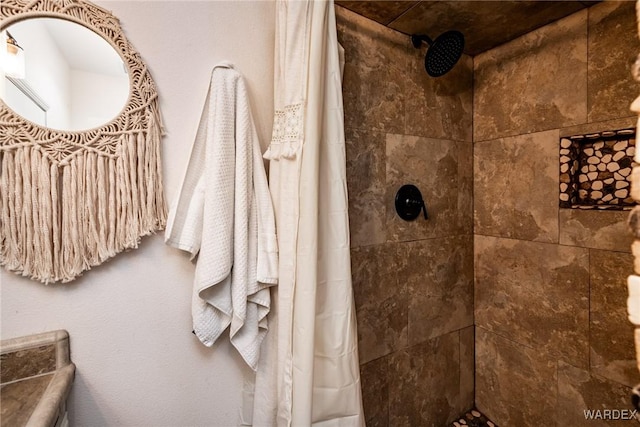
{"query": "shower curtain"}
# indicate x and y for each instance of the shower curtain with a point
(309, 372)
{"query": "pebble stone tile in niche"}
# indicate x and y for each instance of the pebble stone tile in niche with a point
(595, 170)
(473, 418)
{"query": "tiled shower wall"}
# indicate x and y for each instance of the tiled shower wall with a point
(552, 338)
(413, 281)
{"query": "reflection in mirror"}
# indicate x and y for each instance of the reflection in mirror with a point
(74, 199)
(73, 80)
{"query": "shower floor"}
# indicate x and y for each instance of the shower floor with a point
(473, 418)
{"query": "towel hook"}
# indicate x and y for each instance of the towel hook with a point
(409, 203)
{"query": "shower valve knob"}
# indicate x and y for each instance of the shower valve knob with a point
(409, 203)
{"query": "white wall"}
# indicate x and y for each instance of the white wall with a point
(138, 364)
(88, 87)
(46, 70)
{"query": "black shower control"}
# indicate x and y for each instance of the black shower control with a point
(409, 203)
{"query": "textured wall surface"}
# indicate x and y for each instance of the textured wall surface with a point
(129, 320)
(413, 281)
(552, 338)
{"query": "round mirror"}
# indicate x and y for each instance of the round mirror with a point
(61, 75)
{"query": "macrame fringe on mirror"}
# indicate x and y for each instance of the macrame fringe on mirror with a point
(71, 200)
(633, 301)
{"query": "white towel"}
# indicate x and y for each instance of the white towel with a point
(225, 215)
(633, 301)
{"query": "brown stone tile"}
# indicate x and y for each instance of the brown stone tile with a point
(439, 278)
(536, 294)
(432, 166)
(536, 82)
(439, 107)
(375, 392)
(595, 229)
(366, 181)
(424, 383)
(467, 369)
(465, 188)
(18, 400)
(613, 47)
(516, 187)
(611, 336)
(381, 301)
(382, 12)
(515, 385)
(374, 73)
(27, 363)
(597, 127)
(486, 24)
(578, 391)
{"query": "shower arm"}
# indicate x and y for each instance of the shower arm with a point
(417, 40)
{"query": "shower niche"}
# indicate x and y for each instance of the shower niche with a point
(595, 170)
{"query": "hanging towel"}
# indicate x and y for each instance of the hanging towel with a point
(224, 214)
(633, 301)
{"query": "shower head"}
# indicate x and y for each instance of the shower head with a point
(443, 52)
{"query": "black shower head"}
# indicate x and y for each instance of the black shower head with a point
(443, 53)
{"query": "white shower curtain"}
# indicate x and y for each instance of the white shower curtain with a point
(309, 373)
